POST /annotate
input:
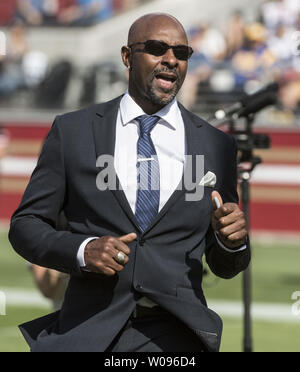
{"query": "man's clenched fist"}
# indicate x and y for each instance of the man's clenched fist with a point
(229, 223)
(100, 255)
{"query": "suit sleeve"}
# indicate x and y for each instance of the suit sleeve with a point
(33, 232)
(221, 262)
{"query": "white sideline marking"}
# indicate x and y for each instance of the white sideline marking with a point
(280, 174)
(23, 297)
(274, 313)
(266, 312)
(17, 166)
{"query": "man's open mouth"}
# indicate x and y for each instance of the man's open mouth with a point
(166, 80)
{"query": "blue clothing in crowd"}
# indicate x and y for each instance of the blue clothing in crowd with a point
(105, 12)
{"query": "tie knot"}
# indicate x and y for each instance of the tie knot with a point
(147, 123)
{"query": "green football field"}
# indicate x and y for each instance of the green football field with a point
(276, 276)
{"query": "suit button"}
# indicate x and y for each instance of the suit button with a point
(141, 241)
(139, 287)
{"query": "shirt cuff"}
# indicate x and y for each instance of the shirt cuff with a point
(242, 248)
(80, 253)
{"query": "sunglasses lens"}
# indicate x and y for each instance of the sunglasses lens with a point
(156, 48)
(182, 52)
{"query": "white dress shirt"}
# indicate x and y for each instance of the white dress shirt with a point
(168, 137)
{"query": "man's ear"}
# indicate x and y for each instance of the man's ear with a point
(126, 56)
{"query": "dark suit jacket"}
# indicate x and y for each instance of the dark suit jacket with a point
(165, 262)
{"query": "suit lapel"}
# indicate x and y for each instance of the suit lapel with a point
(104, 127)
(197, 142)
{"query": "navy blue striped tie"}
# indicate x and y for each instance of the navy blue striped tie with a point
(148, 191)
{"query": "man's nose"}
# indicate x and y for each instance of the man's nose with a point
(169, 59)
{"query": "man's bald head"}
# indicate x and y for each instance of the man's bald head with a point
(145, 25)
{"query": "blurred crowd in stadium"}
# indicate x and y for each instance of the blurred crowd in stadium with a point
(244, 56)
(229, 59)
(61, 12)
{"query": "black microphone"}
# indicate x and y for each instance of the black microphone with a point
(248, 100)
(258, 104)
(270, 88)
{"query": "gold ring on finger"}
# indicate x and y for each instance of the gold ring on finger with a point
(120, 258)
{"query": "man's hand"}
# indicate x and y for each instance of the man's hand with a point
(100, 254)
(229, 222)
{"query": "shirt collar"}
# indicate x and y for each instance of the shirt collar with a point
(130, 110)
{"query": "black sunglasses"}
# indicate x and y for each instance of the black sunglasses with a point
(159, 48)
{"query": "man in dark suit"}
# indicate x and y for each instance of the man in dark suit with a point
(134, 253)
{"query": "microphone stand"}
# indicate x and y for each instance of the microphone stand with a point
(247, 163)
(247, 141)
(247, 274)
